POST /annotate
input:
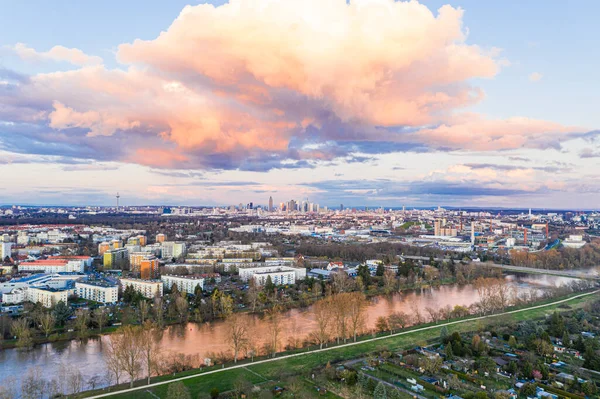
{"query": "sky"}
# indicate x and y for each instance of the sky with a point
(367, 102)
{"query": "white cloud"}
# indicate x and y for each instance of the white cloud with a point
(57, 53)
(535, 77)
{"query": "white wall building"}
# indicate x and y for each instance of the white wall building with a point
(171, 249)
(17, 295)
(98, 292)
(574, 241)
(46, 296)
(184, 283)
(6, 248)
(279, 274)
(53, 266)
(148, 288)
(55, 281)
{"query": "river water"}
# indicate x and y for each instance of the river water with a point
(193, 339)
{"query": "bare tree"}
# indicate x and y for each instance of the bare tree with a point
(149, 339)
(33, 384)
(505, 294)
(237, 333)
(341, 282)
(446, 312)
(340, 309)
(8, 388)
(382, 324)
(417, 317)
(144, 309)
(434, 314)
(252, 294)
(398, 320)
(126, 353)
(494, 294)
(389, 281)
(273, 329)
(101, 317)
(93, 382)
(75, 381)
(323, 312)
(20, 329)
(46, 322)
(357, 306)
(81, 322)
(131, 352)
(111, 358)
(159, 311)
(181, 307)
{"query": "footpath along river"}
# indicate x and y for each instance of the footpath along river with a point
(193, 339)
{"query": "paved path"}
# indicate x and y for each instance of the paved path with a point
(238, 366)
(152, 393)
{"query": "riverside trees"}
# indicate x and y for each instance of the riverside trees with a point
(132, 350)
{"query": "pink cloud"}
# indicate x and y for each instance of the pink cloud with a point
(249, 80)
(475, 132)
(157, 158)
(382, 62)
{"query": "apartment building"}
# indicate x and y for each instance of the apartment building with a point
(97, 291)
(184, 283)
(48, 297)
(148, 288)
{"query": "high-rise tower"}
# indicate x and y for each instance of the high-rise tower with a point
(270, 204)
(118, 196)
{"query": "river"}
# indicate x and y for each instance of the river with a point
(193, 339)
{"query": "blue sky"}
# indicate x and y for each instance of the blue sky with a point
(546, 71)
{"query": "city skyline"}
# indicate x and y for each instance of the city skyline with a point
(366, 103)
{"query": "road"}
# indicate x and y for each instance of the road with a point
(237, 366)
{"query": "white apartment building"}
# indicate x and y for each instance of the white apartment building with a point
(23, 239)
(6, 248)
(46, 296)
(184, 283)
(53, 266)
(148, 288)
(98, 292)
(172, 249)
(17, 295)
(279, 274)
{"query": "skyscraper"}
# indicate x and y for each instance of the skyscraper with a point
(270, 204)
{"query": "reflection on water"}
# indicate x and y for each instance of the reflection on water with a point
(193, 339)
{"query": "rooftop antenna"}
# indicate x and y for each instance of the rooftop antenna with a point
(118, 196)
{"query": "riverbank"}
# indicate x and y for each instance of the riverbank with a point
(304, 360)
(62, 335)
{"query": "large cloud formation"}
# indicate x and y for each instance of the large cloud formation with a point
(261, 83)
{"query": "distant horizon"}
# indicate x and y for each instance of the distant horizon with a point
(332, 208)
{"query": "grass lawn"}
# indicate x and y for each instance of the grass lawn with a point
(222, 381)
